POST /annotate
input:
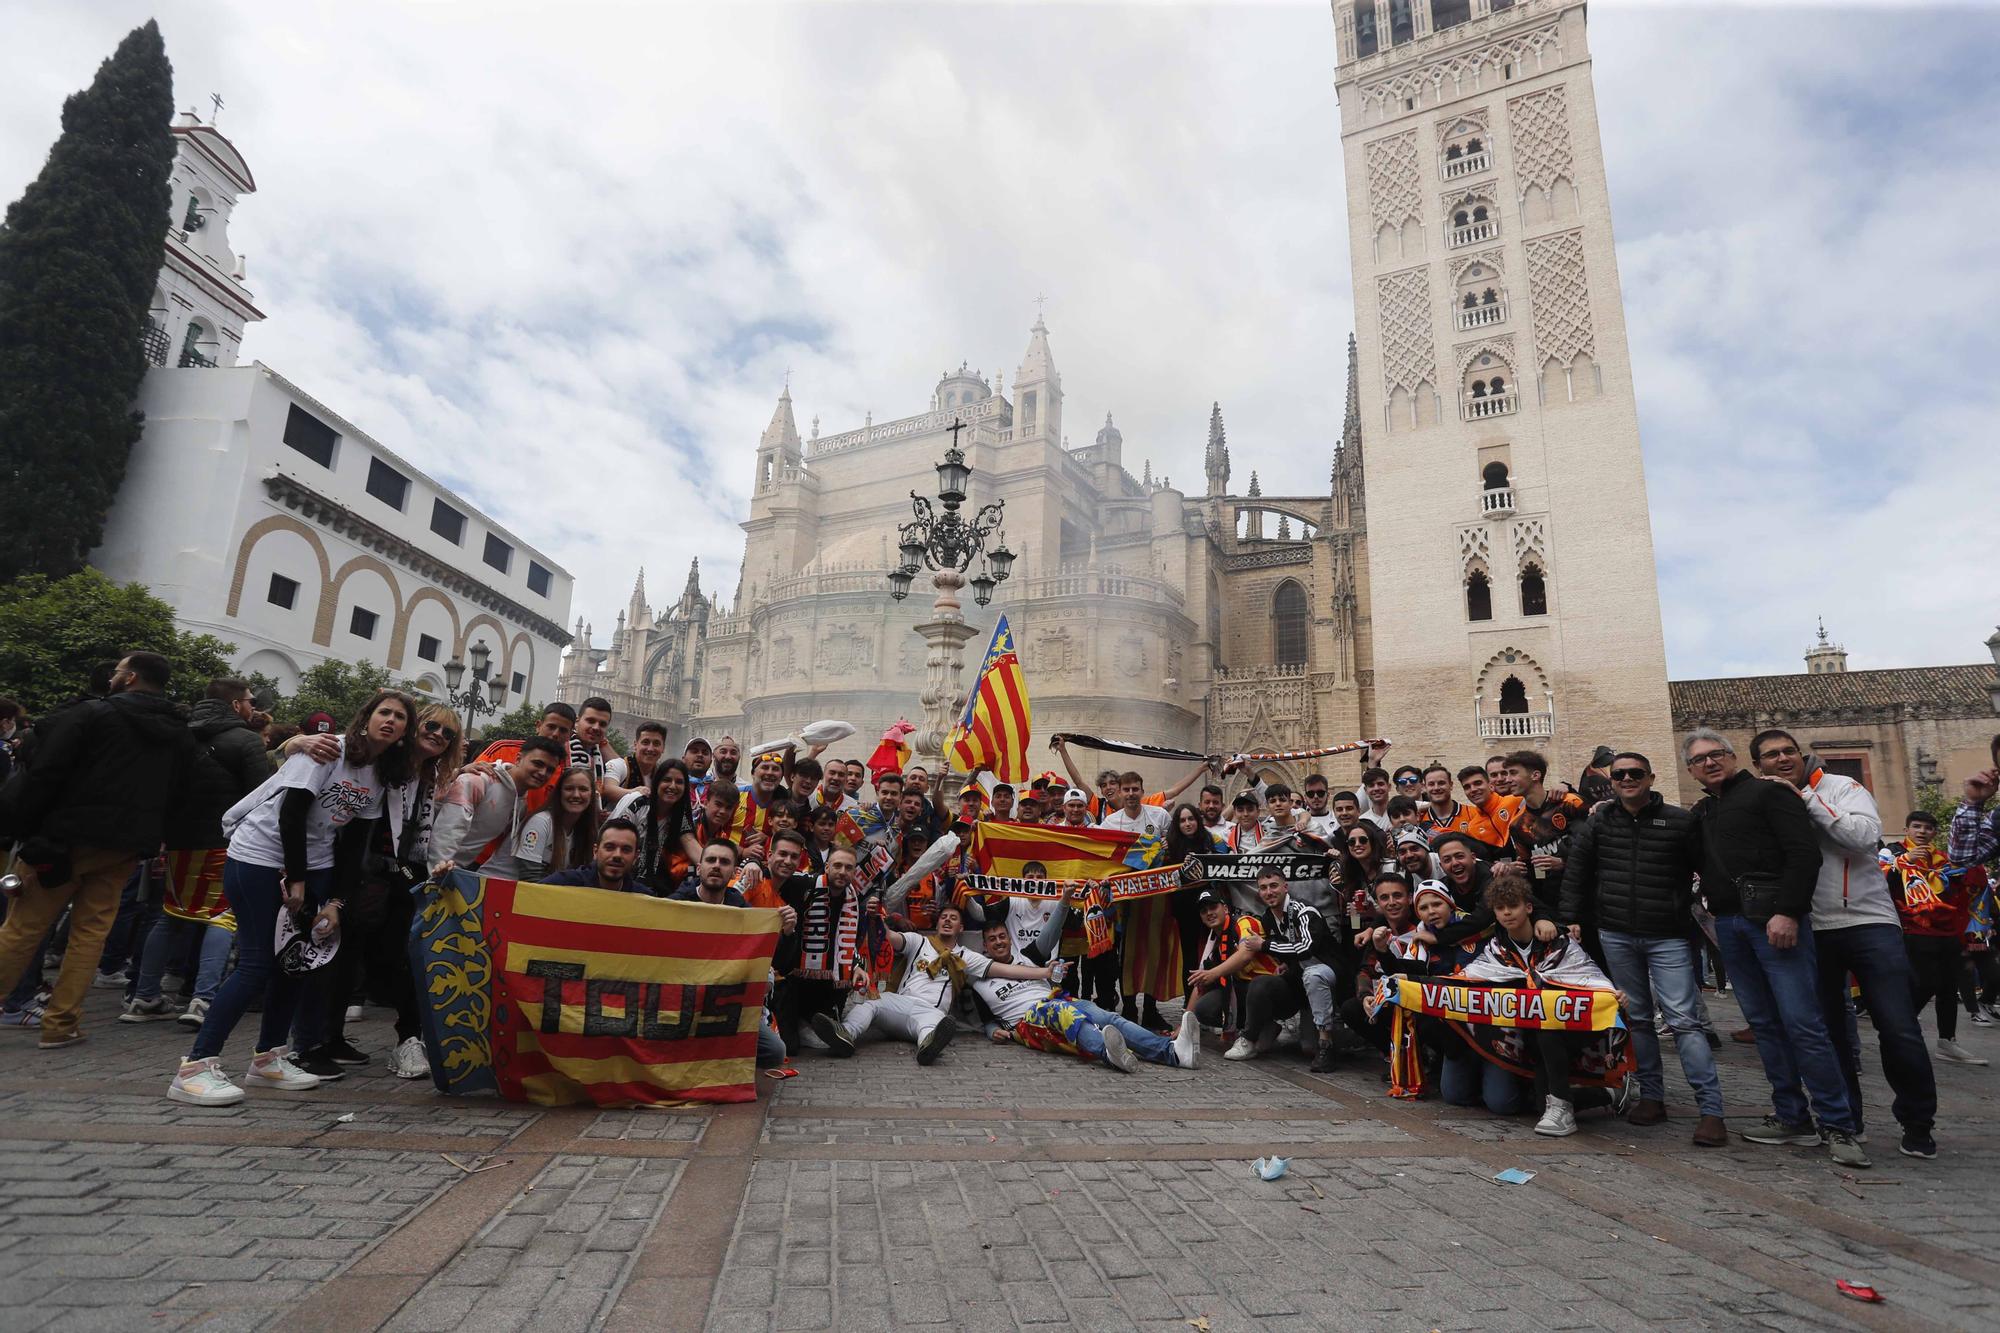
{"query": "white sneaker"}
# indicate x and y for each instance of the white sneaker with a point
(1116, 1053)
(196, 1015)
(202, 1083)
(354, 1013)
(155, 1010)
(809, 1040)
(1558, 1120)
(274, 1069)
(409, 1060)
(111, 980)
(1187, 1043)
(1981, 1019)
(1957, 1054)
(1244, 1049)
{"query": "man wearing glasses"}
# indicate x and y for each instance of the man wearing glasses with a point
(1630, 868)
(1759, 865)
(1858, 932)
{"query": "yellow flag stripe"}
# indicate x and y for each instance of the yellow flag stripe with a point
(602, 965)
(558, 902)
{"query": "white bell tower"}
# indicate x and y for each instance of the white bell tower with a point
(200, 307)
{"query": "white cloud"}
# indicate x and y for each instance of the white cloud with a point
(564, 265)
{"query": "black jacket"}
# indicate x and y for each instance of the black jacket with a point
(1753, 827)
(240, 765)
(1633, 875)
(112, 772)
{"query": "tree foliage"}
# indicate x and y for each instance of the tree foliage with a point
(338, 688)
(54, 631)
(80, 252)
(511, 726)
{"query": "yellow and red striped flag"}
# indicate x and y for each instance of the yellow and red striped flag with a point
(1066, 853)
(993, 733)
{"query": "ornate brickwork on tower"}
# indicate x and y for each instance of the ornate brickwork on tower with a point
(1507, 518)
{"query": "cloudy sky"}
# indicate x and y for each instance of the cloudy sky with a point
(562, 259)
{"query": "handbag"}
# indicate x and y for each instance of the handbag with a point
(1758, 895)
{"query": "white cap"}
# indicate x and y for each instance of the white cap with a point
(1076, 794)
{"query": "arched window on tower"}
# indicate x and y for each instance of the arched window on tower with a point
(1534, 593)
(1449, 13)
(1471, 301)
(1493, 476)
(1478, 596)
(1288, 625)
(1513, 695)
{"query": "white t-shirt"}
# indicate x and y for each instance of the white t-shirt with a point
(1220, 832)
(1025, 919)
(1380, 821)
(1322, 826)
(537, 841)
(1151, 821)
(1010, 1001)
(921, 954)
(342, 793)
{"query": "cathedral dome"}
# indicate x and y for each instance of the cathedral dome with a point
(959, 388)
(1109, 434)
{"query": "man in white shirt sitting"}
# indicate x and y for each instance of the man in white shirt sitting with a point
(919, 1009)
(1033, 1014)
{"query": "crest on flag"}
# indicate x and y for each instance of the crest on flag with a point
(993, 732)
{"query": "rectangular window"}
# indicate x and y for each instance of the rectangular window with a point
(447, 523)
(520, 682)
(538, 579)
(362, 624)
(427, 647)
(284, 592)
(498, 553)
(386, 484)
(310, 436)
(1364, 29)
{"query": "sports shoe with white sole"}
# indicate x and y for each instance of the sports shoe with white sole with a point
(1187, 1042)
(1775, 1132)
(1244, 1049)
(155, 1010)
(934, 1042)
(1841, 1146)
(28, 1016)
(1116, 1053)
(1957, 1054)
(196, 1015)
(408, 1060)
(1558, 1119)
(111, 980)
(202, 1083)
(839, 1041)
(274, 1069)
(354, 1013)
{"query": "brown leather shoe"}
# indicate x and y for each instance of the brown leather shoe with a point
(1744, 1035)
(1711, 1133)
(1646, 1111)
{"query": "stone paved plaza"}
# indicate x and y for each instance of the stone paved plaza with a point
(1000, 1189)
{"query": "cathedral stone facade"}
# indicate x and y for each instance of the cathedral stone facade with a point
(1504, 529)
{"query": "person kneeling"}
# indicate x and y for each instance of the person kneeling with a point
(1035, 1015)
(1515, 956)
(919, 1009)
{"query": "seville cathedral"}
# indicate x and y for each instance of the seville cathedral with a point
(1483, 581)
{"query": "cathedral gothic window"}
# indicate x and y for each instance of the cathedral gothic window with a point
(1288, 625)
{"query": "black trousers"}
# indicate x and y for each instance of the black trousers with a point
(1935, 964)
(1222, 1007)
(799, 998)
(1980, 979)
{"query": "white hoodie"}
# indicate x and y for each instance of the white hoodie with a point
(1852, 891)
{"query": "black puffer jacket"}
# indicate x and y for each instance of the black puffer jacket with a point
(240, 766)
(1633, 874)
(1753, 827)
(112, 772)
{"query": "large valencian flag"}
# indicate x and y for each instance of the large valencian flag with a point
(993, 733)
(555, 994)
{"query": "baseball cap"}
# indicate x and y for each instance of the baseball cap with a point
(698, 743)
(1076, 794)
(319, 724)
(1208, 898)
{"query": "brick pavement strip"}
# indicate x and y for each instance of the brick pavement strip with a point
(1000, 1188)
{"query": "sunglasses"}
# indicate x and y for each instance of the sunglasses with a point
(1408, 782)
(432, 728)
(1628, 774)
(1361, 843)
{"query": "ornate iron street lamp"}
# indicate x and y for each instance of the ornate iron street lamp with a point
(946, 542)
(482, 693)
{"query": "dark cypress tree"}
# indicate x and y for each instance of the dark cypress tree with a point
(80, 251)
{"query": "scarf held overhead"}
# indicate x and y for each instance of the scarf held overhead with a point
(1089, 742)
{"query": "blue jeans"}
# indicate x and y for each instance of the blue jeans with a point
(256, 894)
(1471, 1080)
(1147, 1044)
(1779, 992)
(1875, 955)
(168, 943)
(770, 1046)
(1659, 974)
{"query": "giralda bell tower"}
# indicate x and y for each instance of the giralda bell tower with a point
(1510, 551)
